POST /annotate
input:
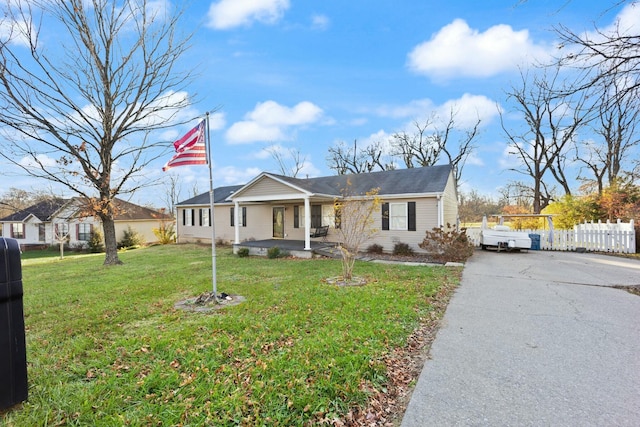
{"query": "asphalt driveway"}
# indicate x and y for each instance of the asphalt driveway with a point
(535, 339)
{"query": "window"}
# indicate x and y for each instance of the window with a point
(328, 215)
(296, 216)
(17, 230)
(243, 216)
(187, 217)
(399, 216)
(84, 232)
(41, 233)
(205, 217)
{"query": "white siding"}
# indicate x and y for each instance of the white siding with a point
(268, 187)
(426, 219)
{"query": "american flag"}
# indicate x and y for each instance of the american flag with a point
(190, 149)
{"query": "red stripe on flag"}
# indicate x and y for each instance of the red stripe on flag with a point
(190, 149)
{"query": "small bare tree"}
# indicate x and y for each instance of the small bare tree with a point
(61, 235)
(354, 224)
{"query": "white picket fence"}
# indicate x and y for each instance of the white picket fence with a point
(617, 237)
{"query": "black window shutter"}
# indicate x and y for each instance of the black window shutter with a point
(411, 216)
(296, 216)
(210, 223)
(244, 216)
(200, 217)
(193, 217)
(232, 217)
(184, 217)
(385, 216)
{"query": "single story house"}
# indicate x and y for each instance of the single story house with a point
(44, 223)
(274, 206)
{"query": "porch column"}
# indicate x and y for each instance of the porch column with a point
(307, 224)
(236, 225)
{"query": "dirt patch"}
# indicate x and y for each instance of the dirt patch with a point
(632, 289)
(206, 302)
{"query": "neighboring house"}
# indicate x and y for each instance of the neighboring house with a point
(273, 206)
(46, 222)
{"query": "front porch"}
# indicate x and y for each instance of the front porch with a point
(293, 247)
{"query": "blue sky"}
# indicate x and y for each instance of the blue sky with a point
(303, 75)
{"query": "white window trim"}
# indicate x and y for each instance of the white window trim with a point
(393, 219)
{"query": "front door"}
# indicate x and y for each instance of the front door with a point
(278, 223)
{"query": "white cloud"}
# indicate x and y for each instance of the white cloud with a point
(458, 50)
(627, 22)
(269, 121)
(230, 175)
(14, 32)
(320, 22)
(468, 109)
(227, 14)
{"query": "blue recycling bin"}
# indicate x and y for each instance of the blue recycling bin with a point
(13, 353)
(535, 241)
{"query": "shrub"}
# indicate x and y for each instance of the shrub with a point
(243, 252)
(96, 244)
(374, 249)
(78, 246)
(273, 252)
(450, 245)
(165, 233)
(131, 239)
(402, 249)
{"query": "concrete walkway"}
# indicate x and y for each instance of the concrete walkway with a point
(535, 339)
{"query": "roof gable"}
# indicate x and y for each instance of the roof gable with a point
(43, 210)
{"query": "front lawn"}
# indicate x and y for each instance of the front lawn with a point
(106, 346)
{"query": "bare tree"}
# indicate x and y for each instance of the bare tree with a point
(355, 225)
(551, 126)
(616, 124)
(81, 113)
(603, 55)
(345, 160)
(427, 145)
(289, 163)
(172, 195)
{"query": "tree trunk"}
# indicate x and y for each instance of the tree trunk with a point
(110, 242)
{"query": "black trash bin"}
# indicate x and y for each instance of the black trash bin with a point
(13, 352)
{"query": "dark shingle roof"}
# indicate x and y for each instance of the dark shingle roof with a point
(220, 195)
(41, 210)
(429, 179)
(127, 211)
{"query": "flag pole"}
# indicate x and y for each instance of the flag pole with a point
(211, 216)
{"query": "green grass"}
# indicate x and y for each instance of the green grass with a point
(106, 346)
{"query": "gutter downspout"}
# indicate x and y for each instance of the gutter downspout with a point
(440, 211)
